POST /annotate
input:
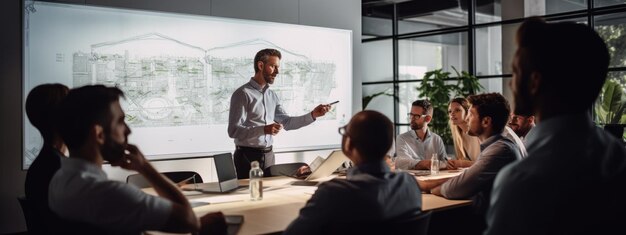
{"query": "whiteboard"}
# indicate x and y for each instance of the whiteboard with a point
(178, 72)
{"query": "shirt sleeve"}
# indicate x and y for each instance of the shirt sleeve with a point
(441, 149)
(481, 174)
(289, 122)
(315, 215)
(505, 198)
(119, 206)
(237, 117)
(404, 155)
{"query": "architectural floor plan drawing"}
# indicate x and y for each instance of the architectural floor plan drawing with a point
(179, 71)
(170, 83)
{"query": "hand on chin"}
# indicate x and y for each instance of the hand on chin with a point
(115, 160)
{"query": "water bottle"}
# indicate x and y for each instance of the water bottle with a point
(434, 164)
(256, 182)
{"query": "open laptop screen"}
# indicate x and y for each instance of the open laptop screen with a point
(225, 167)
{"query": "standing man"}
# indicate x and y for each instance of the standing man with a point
(585, 193)
(256, 115)
(416, 147)
(370, 193)
(521, 124)
(93, 127)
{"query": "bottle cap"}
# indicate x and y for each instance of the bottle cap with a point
(254, 164)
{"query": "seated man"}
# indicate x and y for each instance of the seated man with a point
(521, 124)
(93, 127)
(487, 117)
(510, 134)
(42, 108)
(416, 147)
(572, 181)
(370, 192)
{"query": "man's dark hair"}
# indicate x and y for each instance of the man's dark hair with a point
(84, 107)
(371, 133)
(492, 105)
(43, 108)
(424, 104)
(564, 53)
(263, 55)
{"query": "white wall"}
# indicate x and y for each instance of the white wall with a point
(344, 14)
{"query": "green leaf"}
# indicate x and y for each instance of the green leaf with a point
(434, 88)
(612, 106)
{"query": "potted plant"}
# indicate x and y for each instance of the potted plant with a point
(610, 107)
(435, 89)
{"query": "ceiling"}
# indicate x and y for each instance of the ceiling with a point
(407, 9)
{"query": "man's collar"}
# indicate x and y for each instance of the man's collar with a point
(426, 136)
(372, 168)
(492, 139)
(257, 86)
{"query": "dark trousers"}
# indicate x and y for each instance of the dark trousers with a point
(245, 155)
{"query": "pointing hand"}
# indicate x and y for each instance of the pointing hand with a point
(320, 110)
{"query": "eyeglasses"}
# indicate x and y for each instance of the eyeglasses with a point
(415, 116)
(342, 131)
(516, 117)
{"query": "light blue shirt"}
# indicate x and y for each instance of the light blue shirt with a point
(81, 192)
(370, 192)
(252, 108)
(410, 149)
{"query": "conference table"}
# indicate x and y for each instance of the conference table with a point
(281, 203)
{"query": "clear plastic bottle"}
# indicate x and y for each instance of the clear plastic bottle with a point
(256, 182)
(434, 164)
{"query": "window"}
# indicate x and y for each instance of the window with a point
(438, 34)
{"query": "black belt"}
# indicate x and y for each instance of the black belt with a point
(256, 150)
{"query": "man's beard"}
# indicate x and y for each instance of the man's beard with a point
(269, 79)
(523, 100)
(477, 131)
(112, 151)
(416, 126)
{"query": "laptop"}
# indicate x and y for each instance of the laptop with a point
(330, 165)
(226, 177)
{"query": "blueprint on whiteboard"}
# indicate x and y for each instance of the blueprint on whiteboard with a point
(190, 85)
(178, 72)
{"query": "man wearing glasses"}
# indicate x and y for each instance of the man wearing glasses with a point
(370, 194)
(416, 147)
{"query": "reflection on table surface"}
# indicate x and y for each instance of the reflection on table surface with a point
(281, 204)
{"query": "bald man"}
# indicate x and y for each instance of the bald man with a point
(370, 192)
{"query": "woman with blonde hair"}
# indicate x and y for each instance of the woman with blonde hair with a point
(466, 147)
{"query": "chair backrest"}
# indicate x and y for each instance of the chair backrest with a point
(175, 176)
(414, 226)
(27, 210)
(282, 169)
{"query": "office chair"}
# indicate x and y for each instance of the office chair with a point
(27, 210)
(413, 226)
(282, 169)
(175, 176)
